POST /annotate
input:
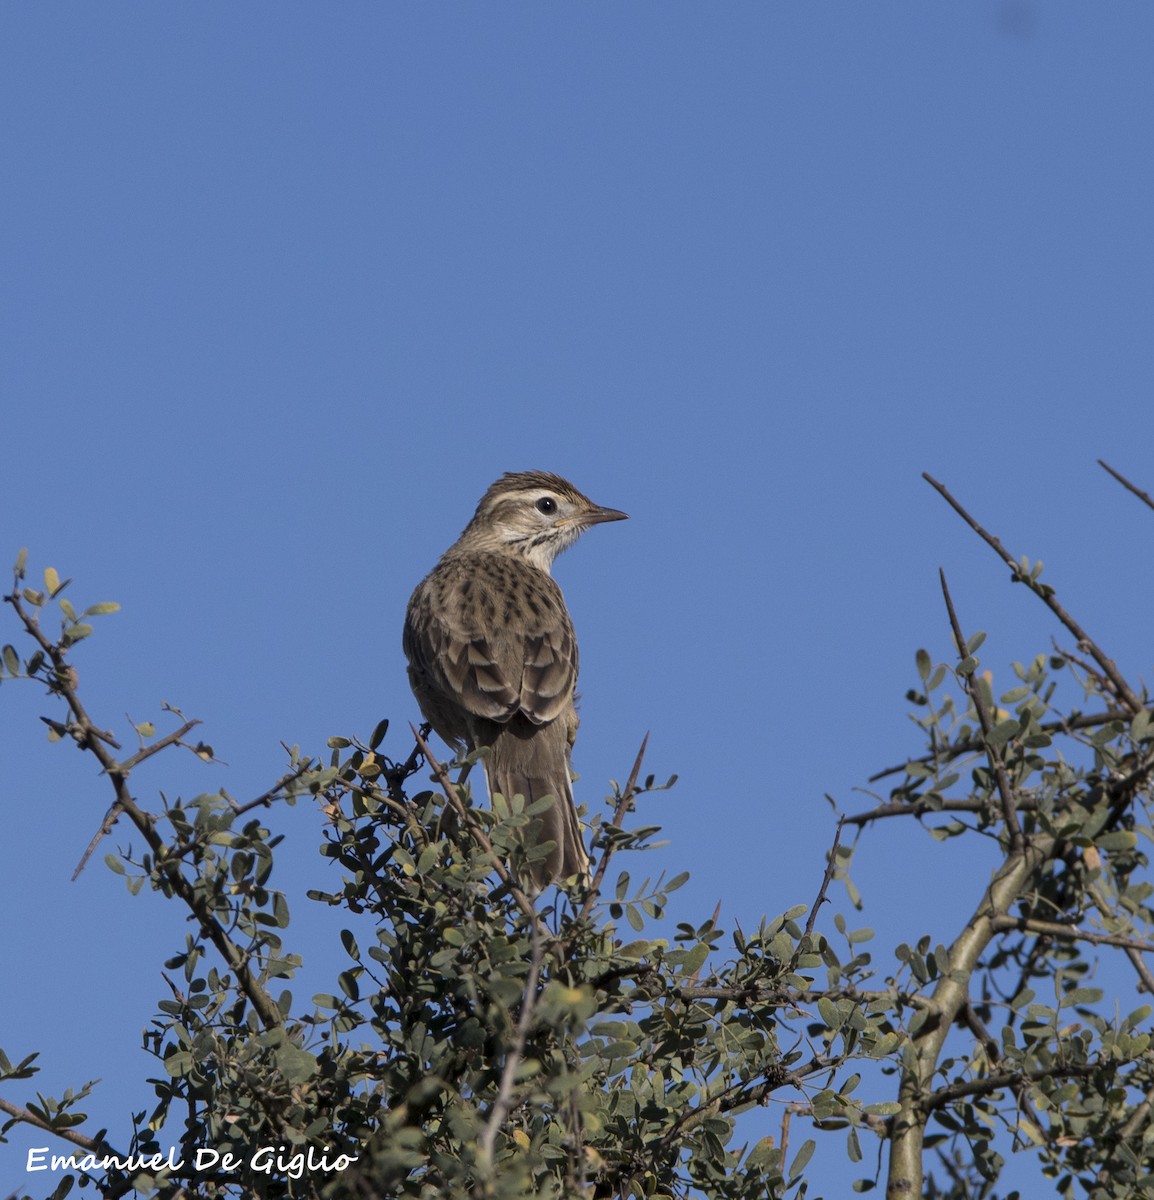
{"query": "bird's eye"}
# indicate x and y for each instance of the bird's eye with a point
(547, 505)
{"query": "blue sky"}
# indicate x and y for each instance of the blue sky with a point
(286, 287)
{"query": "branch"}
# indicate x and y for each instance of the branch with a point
(970, 745)
(618, 816)
(747, 1093)
(1122, 689)
(115, 810)
(830, 867)
(266, 798)
(1132, 953)
(878, 1125)
(1058, 930)
(1143, 496)
(88, 738)
(516, 1054)
(951, 993)
(968, 1017)
(1005, 790)
(921, 808)
(26, 1117)
(475, 828)
(1000, 1082)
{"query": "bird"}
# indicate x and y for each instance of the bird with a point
(493, 656)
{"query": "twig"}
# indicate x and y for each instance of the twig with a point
(1136, 961)
(475, 828)
(957, 749)
(802, 1108)
(504, 1099)
(266, 798)
(922, 808)
(968, 1017)
(115, 810)
(618, 816)
(993, 756)
(396, 775)
(198, 904)
(1122, 689)
(25, 1117)
(830, 868)
(1058, 930)
(1000, 1081)
(169, 739)
(1143, 496)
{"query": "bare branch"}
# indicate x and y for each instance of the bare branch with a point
(619, 812)
(830, 868)
(115, 810)
(1143, 496)
(266, 798)
(236, 958)
(1122, 689)
(993, 756)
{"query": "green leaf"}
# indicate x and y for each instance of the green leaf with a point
(21, 563)
(975, 642)
(803, 1156)
(1082, 996)
(114, 864)
(379, 734)
(1140, 726)
(178, 1064)
(1118, 839)
(51, 580)
(102, 609)
(294, 1064)
(853, 1146)
(1003, 731)
(11, 660)
(829, 1012)
(925, 664)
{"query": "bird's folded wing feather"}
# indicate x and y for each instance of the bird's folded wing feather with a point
(501, 658)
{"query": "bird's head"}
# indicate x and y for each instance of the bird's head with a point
(534, 515)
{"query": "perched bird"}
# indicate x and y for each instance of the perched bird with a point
(492, 653)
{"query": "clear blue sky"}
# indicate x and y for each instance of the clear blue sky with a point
(285, 287)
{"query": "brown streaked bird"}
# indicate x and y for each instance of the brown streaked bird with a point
(492, 653)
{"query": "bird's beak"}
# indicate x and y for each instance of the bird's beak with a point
(596, 516)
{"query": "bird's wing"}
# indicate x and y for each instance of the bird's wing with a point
(502, 644)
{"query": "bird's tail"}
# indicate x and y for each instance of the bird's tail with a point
(533, 761)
